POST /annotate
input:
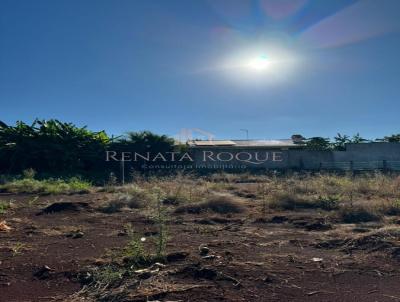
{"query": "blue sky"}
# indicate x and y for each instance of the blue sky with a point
(331, 66)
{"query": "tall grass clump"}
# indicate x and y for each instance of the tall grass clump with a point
(221, 204)
(358, 213)
(287, 201)
(124, 200)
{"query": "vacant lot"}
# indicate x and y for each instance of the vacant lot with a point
(223, 237)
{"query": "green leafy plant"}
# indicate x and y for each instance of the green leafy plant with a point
(328, 202)
(134, 252)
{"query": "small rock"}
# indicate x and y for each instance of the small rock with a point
(204, 250)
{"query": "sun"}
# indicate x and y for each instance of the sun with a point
(259, 63)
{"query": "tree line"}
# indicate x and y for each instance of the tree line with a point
(339, 142)
(60, 148)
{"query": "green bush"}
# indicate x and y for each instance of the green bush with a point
(328, 203)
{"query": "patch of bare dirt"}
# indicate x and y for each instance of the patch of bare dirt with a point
(211, 255)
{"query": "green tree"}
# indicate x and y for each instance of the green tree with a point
(357, 139)
(394, 138)
(341, 141)
(50, 146)
(143, 142)
(318, 143)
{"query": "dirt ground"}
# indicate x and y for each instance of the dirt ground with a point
(249, 256)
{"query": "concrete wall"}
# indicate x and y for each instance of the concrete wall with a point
(356, 156)
(370, 152)
(238, 157)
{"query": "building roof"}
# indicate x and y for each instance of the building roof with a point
(281, 143)
(212, 143)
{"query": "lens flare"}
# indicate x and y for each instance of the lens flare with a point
(259, 63)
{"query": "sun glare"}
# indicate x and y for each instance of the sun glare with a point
(259, 63)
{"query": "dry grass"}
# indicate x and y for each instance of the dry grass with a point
(358, 213)
(123, 200)
(293, 201)
(222, 204)
(287, 201)
(391, 208)
(355, 198)
(362, 200)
